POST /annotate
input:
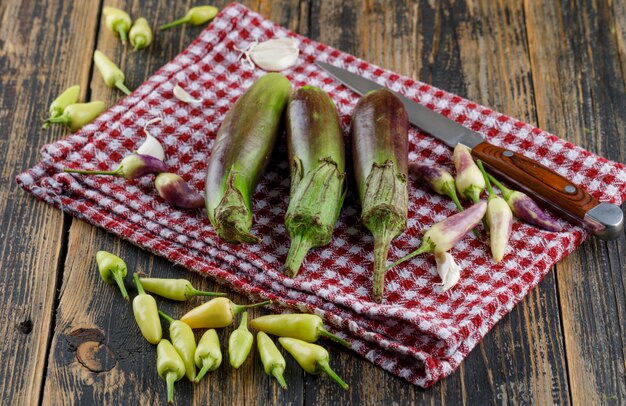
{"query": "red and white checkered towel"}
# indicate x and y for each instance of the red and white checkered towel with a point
(418, 333)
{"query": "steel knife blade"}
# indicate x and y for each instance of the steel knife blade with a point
(602, 219)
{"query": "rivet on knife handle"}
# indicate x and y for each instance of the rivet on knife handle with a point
(604, 220)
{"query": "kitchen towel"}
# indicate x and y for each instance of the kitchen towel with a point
(418, 332)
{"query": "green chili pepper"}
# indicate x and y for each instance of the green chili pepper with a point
(65, 99)
(77, 115)
(112, 75)
(141, 34)
(112, 270)
(195, 16)
(273, 361)
(117, 21)
(170, 366)
(185, 343)
(146, 314)
(311, 357)
(174, 289)
(208, 356)
(215, 313)
(240, 343)
(305, 327)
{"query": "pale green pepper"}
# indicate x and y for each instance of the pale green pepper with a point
(140, 34)
(147, 314)
(208, 355)
(170, 366)
(195, 16)
(273, 361)
(112, 270)
(240, 343)
(185, 343)
(112, 75)
(216, 313)
(117, 21)
(306, 327)
(311, 357)
(65, 99)
(77, 115)
(174, 289)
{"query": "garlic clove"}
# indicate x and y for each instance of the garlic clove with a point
(182, 95)
(151, 146)
(275, 55)
(448, 270)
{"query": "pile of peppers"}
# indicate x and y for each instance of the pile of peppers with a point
(181, 356)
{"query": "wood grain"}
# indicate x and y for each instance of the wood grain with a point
(36, 63)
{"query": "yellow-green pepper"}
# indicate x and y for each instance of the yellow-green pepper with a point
(117, 21)
(147, 314)
(112, 270)
(208, 355)
(77, 115)
(174, 289)
(311, 357)
(240, 343)
(65, 99)
(216, 313)
(140, 34)
(195, 16)
(273, 361)
(185, 343)
(112, 75)
(169, 366)
(305, 327)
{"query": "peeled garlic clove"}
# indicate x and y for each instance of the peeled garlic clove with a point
(275, 54)
(447, 269)
(182, 95)
(151, 146)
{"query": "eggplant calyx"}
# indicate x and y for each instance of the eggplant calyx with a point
(233, 219)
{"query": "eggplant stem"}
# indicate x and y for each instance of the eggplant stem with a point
(382, 241)
(330, 335)
(300, 246)
(326, 368)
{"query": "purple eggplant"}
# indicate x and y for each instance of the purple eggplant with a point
(176, 191)
(240, 154)
(380, 154)
(447, 233)
(438, 178)
(526, 209)
(133, 166)
(318, 178)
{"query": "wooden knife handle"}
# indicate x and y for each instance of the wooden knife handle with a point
(551, 190)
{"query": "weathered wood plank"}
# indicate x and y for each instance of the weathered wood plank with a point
(93, 315)
(37, 60)
(580, 92)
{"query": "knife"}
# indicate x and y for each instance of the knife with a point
(604, 220)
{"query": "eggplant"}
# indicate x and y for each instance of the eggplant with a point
(380, 148)
(318, 178)
(240, 153)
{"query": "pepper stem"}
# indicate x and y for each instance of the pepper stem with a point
(506, 192)
(326, 368)
(64, 119)
(138, 284)
(427, 246)
(278, 374)
(174, 23)
(170, 378)
(382, 241)
(330, 335)
(240, 308)
(449, 189)
(119, 28)
(300, 246)
(118, 172)
(207, 363)
(167, 318)
(484, 172)
(191, 292)
(243, 324)
(473, 193)
(120, 85)
(139, 41)
(119, 279)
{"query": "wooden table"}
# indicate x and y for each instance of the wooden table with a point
(66, 337)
